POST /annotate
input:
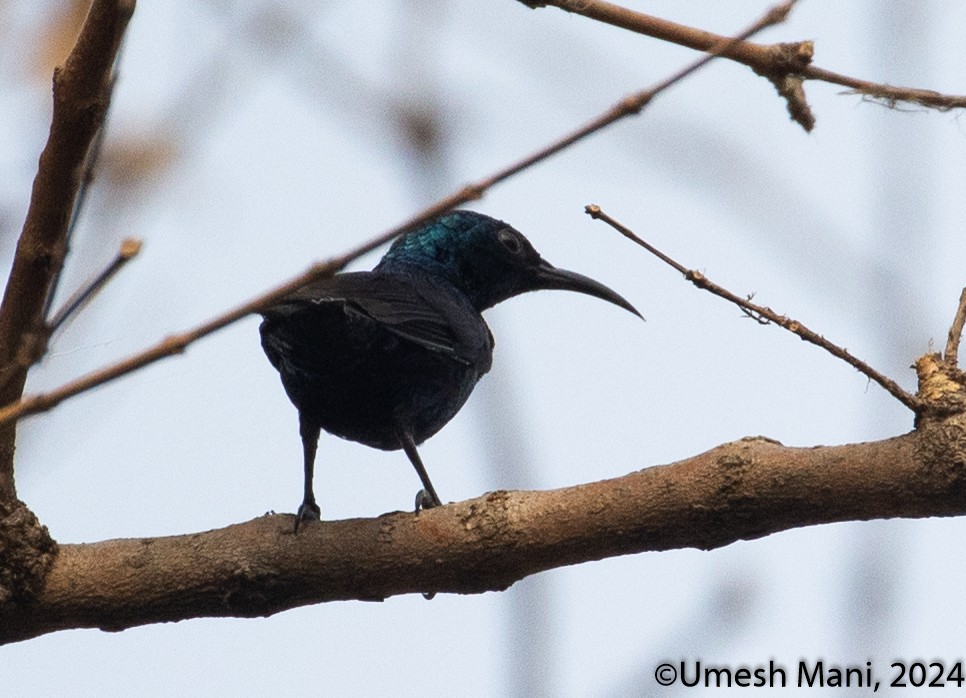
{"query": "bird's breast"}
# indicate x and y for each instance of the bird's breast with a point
(358, 373)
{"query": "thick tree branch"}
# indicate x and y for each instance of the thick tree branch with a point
(81, 95)
(742, 490)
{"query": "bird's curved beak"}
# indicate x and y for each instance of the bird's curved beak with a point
(550, 277)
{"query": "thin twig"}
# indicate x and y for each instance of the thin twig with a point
(128, 251)
(956, 332)
(174, 344)
(890, 94)
(90, 164)
(758, 311)
(785, 65)
(177, 344)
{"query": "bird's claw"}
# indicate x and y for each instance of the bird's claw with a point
(308, 511)
(425, 500)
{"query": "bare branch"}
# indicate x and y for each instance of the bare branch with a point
(751, 54)
(81, 96)
(785, 65)
(757, 312)
(738, 491)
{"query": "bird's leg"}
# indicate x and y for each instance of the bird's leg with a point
(426, 498)
(308, 509)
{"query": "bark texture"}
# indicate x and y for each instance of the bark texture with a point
(741, 490)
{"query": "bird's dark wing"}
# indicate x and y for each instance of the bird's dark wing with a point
(434, 320)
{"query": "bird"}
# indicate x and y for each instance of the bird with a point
(387, 357)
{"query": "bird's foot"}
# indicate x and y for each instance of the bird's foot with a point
(426, 500)
(308, 511)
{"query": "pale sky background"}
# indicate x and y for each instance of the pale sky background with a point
(249, 138)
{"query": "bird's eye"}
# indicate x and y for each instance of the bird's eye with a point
(510, 241)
